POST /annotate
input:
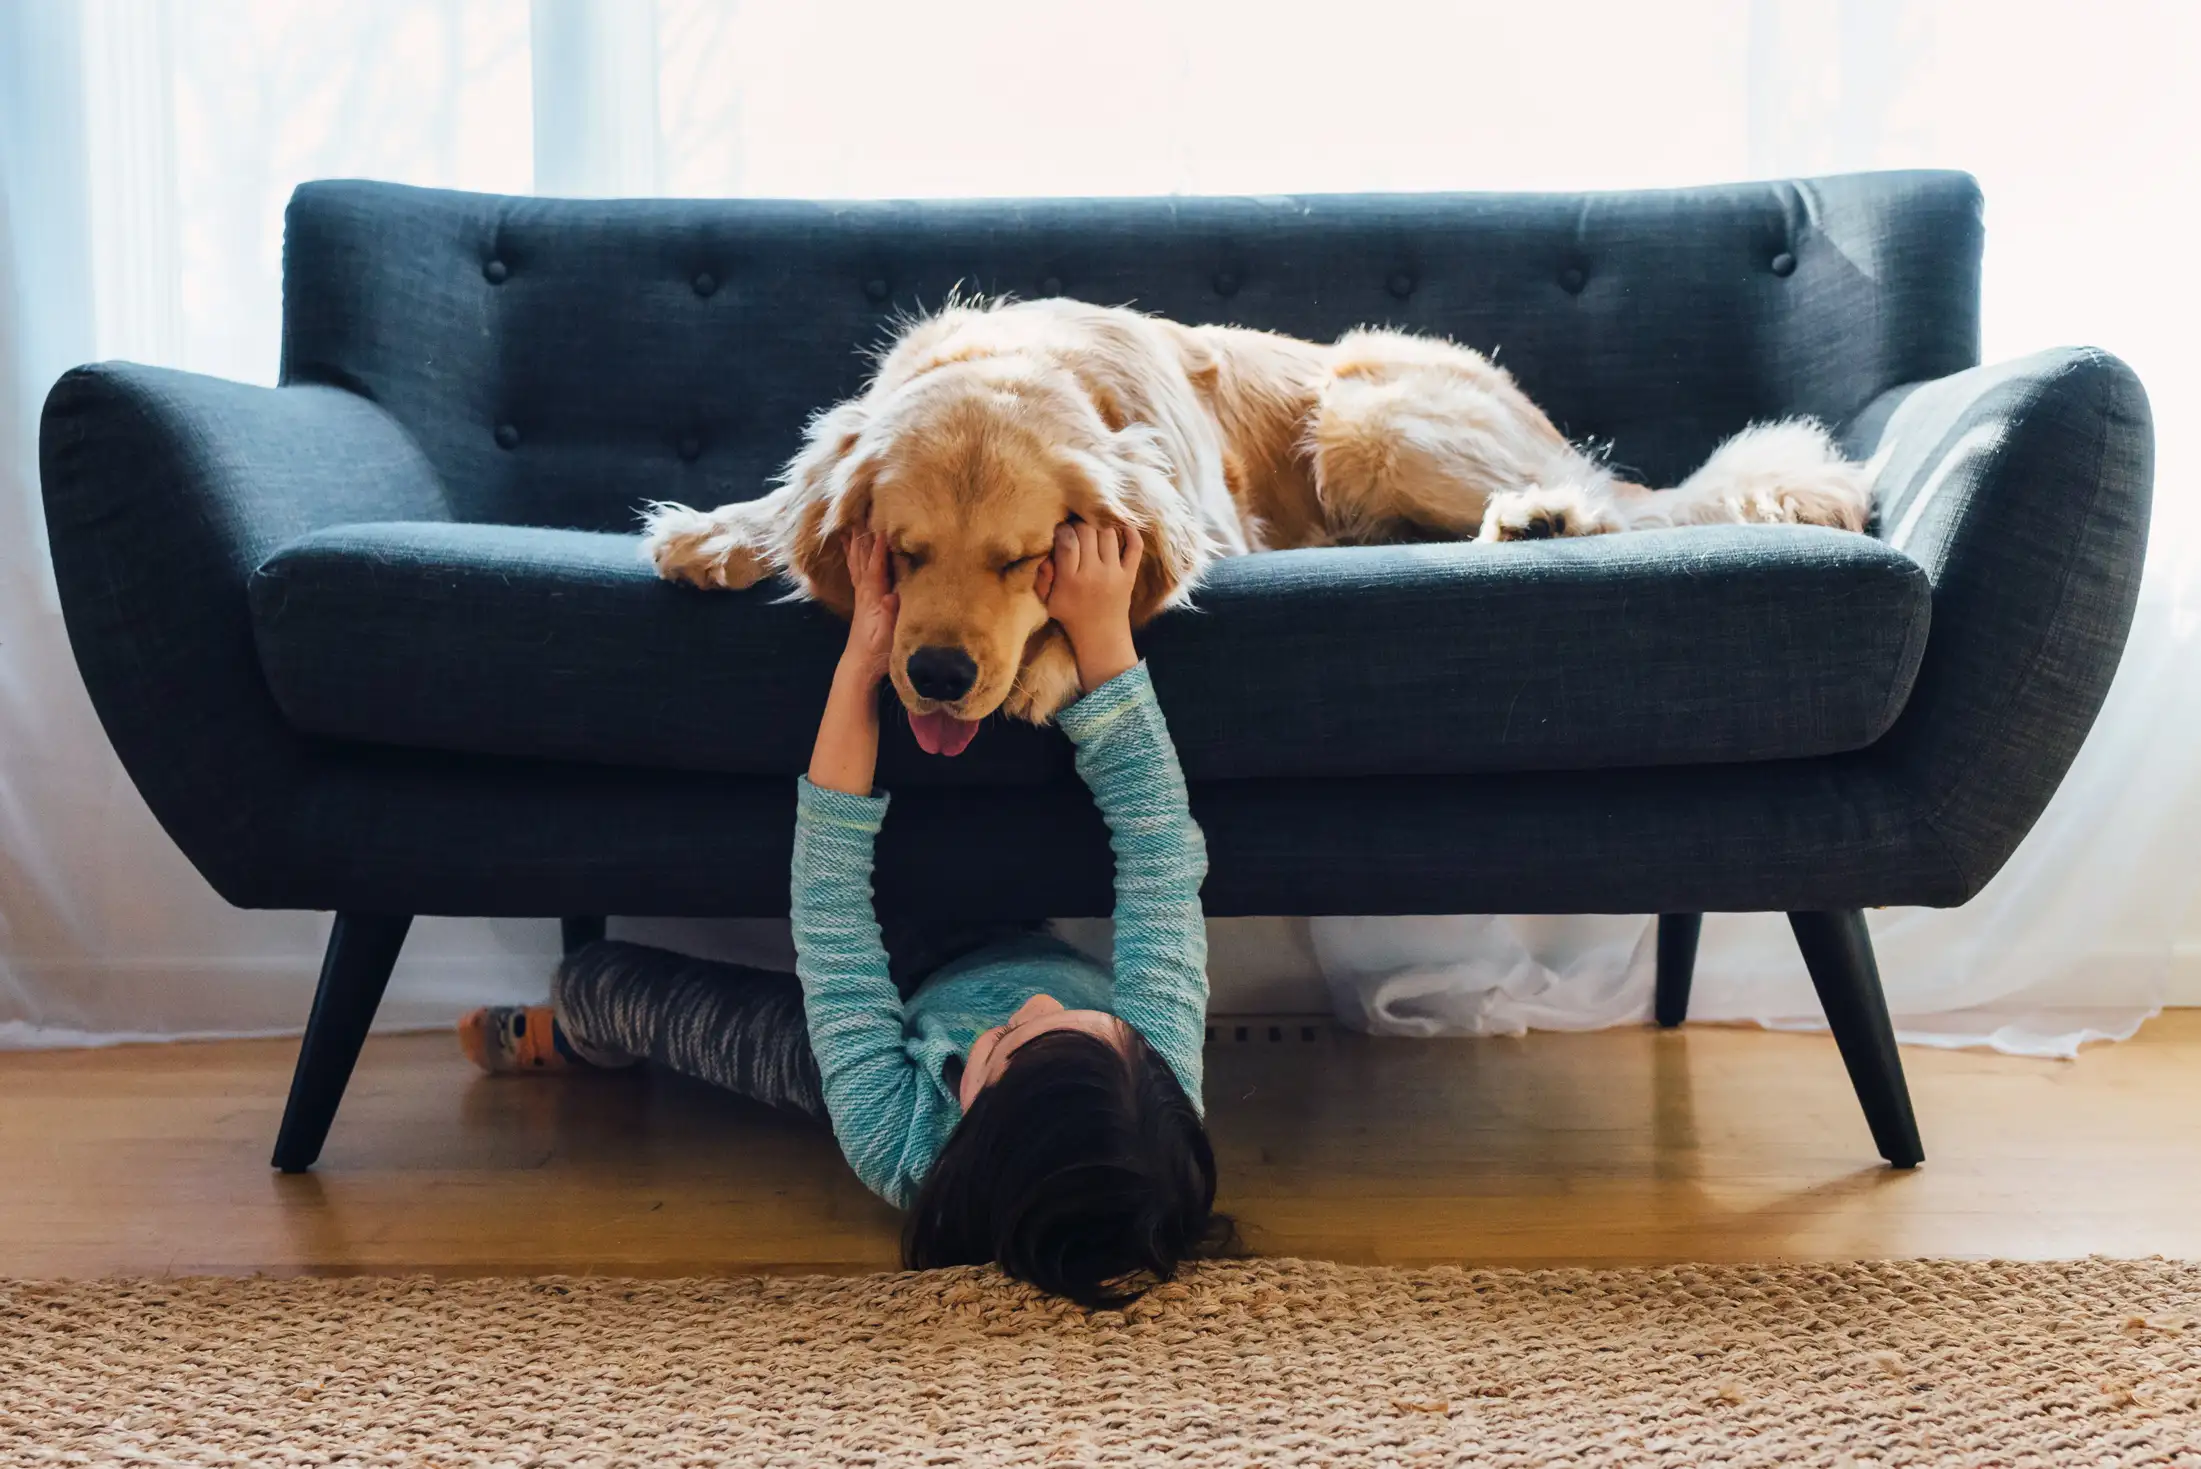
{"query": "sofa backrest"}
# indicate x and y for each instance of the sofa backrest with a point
(562, 361)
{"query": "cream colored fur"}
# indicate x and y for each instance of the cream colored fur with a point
(986, 425)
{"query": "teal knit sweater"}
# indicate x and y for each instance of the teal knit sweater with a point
(883, 1062)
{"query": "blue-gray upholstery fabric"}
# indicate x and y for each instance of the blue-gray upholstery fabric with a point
(163, 490)
(2024, 491)
(2021, 492)
(1666, 648)
(667, 349)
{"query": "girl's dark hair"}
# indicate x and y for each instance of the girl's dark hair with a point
(1083, 1169)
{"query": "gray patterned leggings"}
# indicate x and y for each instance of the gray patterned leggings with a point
(728, 1024)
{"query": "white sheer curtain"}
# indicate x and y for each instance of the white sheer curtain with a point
(146, 151)
(147, 146)
(2081, 127)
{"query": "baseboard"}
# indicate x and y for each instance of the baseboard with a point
(71, 1002)
(2185, 974)
(1271, 1029)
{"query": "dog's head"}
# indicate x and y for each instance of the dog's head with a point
(966, 470)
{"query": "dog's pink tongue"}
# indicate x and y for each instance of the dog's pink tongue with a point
(943, 734)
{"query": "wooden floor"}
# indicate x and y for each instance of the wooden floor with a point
(1621, 1147)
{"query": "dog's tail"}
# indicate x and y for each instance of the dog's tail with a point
(1786, 473)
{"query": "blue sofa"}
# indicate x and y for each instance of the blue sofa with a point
(380, 640)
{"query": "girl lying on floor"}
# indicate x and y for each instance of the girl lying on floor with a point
(1026, 1106)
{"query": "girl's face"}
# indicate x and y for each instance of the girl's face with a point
(990, 1053)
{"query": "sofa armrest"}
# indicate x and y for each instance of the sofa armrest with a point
(2023, 490)
(163, 491)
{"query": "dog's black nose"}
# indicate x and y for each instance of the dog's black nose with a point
(945, 674)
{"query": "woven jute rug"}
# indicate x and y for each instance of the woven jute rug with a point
(1274, 1362)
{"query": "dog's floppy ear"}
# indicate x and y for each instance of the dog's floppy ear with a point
(829, 489)
(1128, 483)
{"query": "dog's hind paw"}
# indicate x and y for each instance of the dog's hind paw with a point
(1839, 498)
(702, 548)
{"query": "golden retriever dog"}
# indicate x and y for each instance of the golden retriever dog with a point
(987, 425)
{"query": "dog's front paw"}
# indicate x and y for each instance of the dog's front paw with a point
(1047, 681)
(701, 548)
(1539, 514)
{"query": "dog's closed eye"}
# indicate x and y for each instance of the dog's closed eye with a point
(1010, 568)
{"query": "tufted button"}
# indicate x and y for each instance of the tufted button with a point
(1226, 283)
(1052, 286)
(1573, 279)
(508, 437)
(1784, 264)
(1401, 283)
(690, 447)
(876, 289)
(705, 283)
(494, 272)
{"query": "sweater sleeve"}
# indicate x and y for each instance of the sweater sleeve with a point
(872, 1085)
(1126, 758)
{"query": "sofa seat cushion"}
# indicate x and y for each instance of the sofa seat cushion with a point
(1701, 646)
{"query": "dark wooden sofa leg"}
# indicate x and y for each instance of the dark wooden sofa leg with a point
(1677, 964)
(579, 933)
(1837, 950)
(354, 972)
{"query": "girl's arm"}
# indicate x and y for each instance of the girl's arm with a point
(854, 1012)
(1126, 758)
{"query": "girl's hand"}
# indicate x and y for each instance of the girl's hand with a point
(871, 626)
(847, 753)
(1094, 570)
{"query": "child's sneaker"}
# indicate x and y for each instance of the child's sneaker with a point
(516, 1038)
